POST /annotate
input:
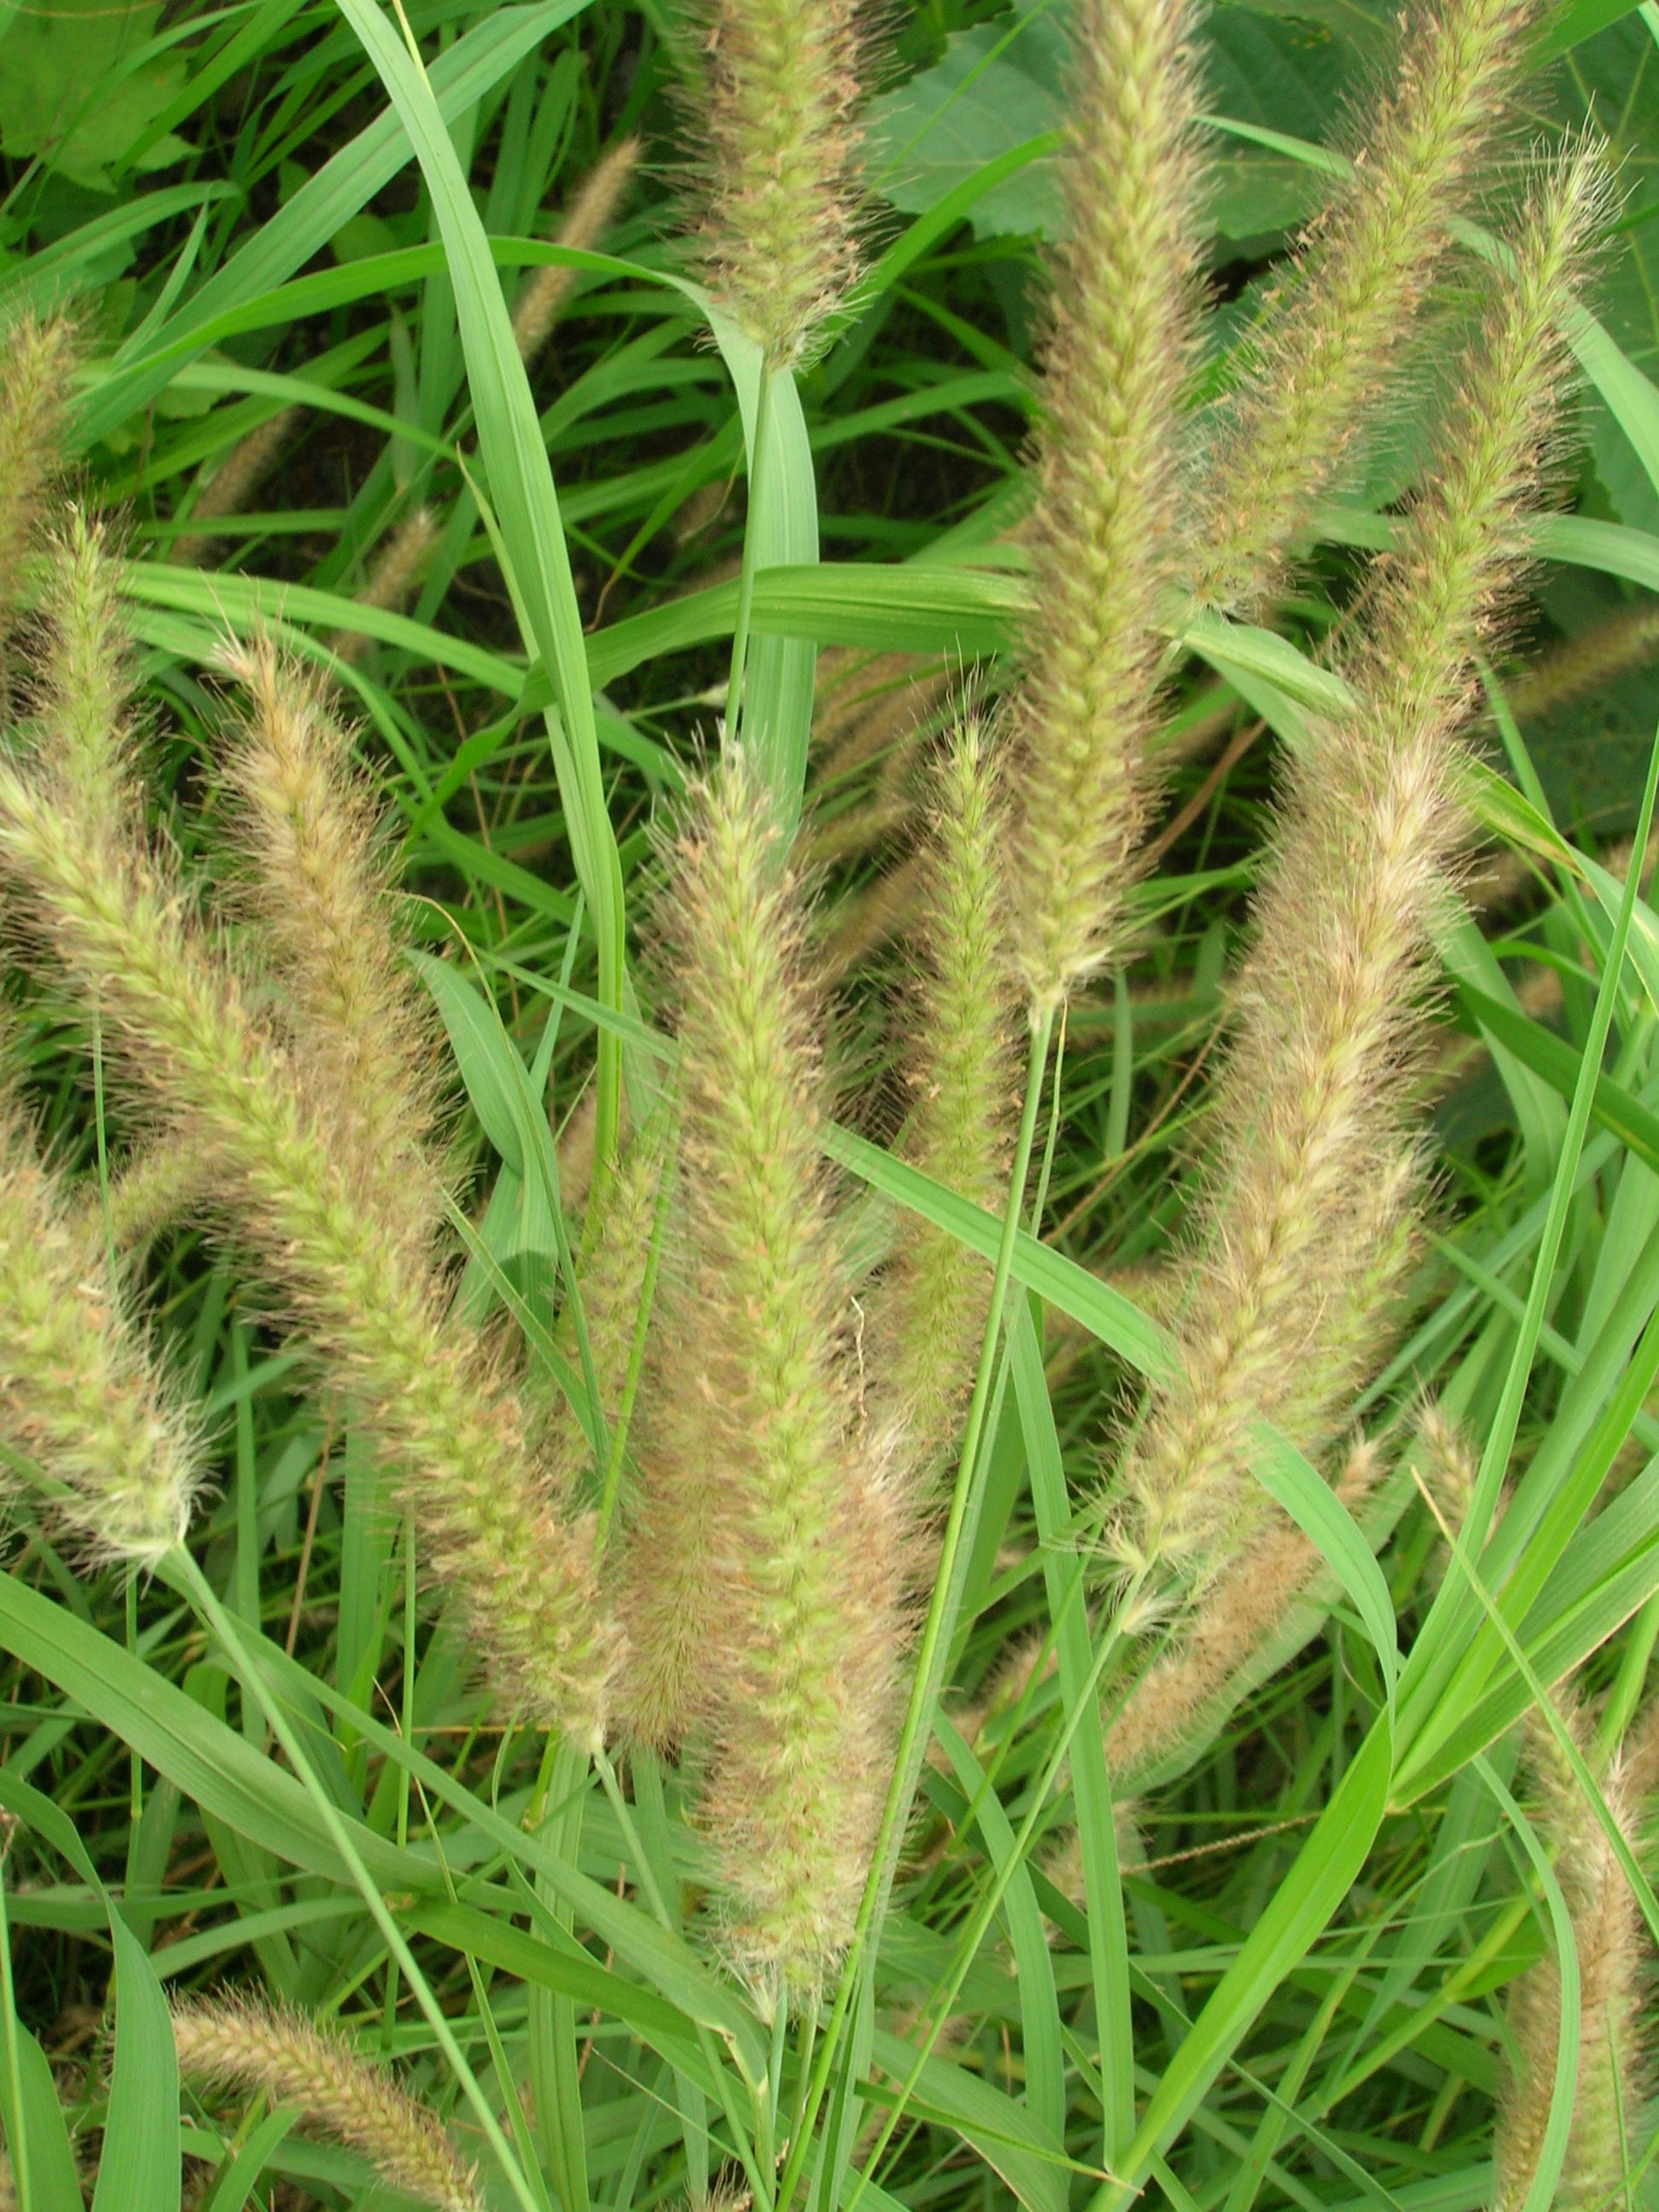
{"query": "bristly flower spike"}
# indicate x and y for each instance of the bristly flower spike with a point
(1611, 2119)
(233, 482)
(80, 1393)
(927, 1315)
(1107, 478)
(778, 233)
(1307, 1219)
(401, 565)
(83, 718)
(1324, 348)
(767, 1560)
(294, 2062)
(116, 921)
(317, 878)
(585, 220)
(36, 358)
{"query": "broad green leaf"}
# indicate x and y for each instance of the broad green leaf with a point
(80, 80)
(485, 1054)
(958, 612)
(1556, 1060)
(102, 247)
(1039, 2006)
(138, 2169)
(54, 2184)
(781, 531)
(1232, 647)
(1572, 22)
(234, 2185)
(1631, 395)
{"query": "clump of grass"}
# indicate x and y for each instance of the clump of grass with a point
(778, 217)
(1300, 1235)
(294, 2063)
(1106, 495)
(1337, 326)
(1611, 2124)
(116, 920)
(767, 1558)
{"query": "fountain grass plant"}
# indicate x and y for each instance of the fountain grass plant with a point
(790, 1442)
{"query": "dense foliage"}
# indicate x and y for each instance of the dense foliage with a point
(717, 1655)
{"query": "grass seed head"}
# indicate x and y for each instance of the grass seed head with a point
(767, 1551)
(779, 209)
(259, 2049)
(82, 1393)
(1306, 1227)
(234, 481)
(399, 567)
(1107, 484)
(584, 223)
(114, 920)
(1324, 350)
(317, 877)
(37, 360)
(959, 1018)
(1610, 2124)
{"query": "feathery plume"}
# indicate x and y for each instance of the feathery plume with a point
(294, 2062)
(1610, 2121)
(80, 1392)
(584, 222)
(318, 876)
(155, 1188)
(611, 1279)
(1239, 1614)
(233, 481)
(928, 1315)
(778, 236)
(1316, 1193)
(1599, 655)
(1320, 355)
(36, 358)
(1107, 481)
(766, 1560)
(400, 566)
(227, 1090)
(83, 692)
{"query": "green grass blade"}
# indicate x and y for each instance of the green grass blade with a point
(521, 486)
(139, 2169)
(1108, 1948)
